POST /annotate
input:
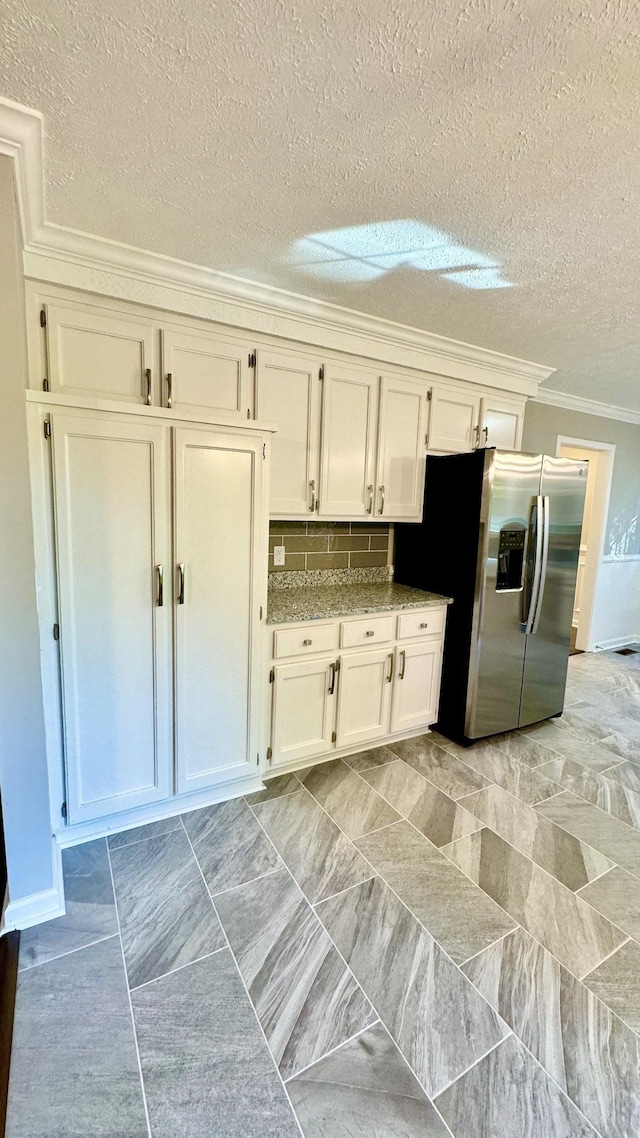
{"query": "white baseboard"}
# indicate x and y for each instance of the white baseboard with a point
(620, 642)
(39, 907)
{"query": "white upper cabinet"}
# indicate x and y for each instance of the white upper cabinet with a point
(501, 423)
(205, 370)
(288, 390)
(401, 449)
(106, 355)
(348, 446)
(112, 496)
(454, 419)
(219, 559)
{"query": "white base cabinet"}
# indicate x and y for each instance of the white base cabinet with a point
(325, 705)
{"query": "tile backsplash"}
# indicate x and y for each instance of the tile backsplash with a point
(329, 545)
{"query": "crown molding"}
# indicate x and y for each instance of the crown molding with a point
(59, 255)
(586, 406)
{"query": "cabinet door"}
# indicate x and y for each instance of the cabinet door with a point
(204, 370)
(454, 422)
(288, 394)
(364, 699)
(101, 354)
(349, 419)
(303, 711)
(112, 505)
(416, 690)
(501, 423)
(219, 544)
(401, 449)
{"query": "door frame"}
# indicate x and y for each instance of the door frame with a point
(597, 532)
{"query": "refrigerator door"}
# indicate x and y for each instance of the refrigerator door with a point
(510, 491)
(562, 491)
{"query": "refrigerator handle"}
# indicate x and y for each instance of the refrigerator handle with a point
(545, 560)
(528, 618)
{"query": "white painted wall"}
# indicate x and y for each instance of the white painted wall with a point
(32, 858)
(616, 611)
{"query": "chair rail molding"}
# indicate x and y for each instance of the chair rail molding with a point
(60, 255)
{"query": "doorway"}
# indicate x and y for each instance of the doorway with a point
(600, 457)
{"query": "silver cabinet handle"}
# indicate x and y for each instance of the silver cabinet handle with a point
(181, 583)
(485, 431)
(312, 490)
(370, 506)
(370, 633)
(381, 510)
(332, 682)
(390, 676)
(160, 592)
(147, 376)
(477, 436)
(403, 665)
(306, 643)
(169, 390)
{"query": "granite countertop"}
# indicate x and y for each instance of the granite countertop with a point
(317, 602)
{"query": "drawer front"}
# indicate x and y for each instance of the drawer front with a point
(374, 630)
(428, 623)
(305, 641)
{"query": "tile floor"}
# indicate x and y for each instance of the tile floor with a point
(422, 940)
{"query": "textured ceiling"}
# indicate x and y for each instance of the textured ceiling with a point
(224, 134)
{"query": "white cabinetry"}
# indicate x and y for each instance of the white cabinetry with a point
(204, 370)
(401, 448)
(348, 447)
(106, 355)
(288, 392)
(159, 605)
(453, 422)
(501, 423)
(325, 705)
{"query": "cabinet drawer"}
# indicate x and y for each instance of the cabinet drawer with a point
(429, 623)
(374, 630)
(305, 641)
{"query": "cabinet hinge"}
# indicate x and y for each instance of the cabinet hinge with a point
(337, 665)
(426, 439)
(321, 373)
(45, 385)
(43, 318)
(258, 759)
(260, 612)
(269, 754)
(56, 632)
(272, 675)
(46, 427)
(264, 450)
(333, 737)
(252, 359)
(63, 810)
(429, 395)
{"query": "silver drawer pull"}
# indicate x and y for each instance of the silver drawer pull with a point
(370, 633)
(306, 643)
(424, 624)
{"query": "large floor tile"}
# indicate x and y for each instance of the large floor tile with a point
(274, 788)
(457, 913)
(565, 857)
(306, 999)
(320, 857)
(507, 1095)
(444, 770)
(589, 1052)
(166, 915)
(627, 774)
(573, 932)
(571, 746)
(143, 833)
(364, 1088)
(597, 721)
(365, 760)
(91, 911)
(524, 782)
(348, 799)
(617, 983)
(74, 1069)
(531, 747)
(434, 1014)
(229, 844)
(613, 838)
(206, 1067)
(603, 790)
(617, 896)
(436, 815)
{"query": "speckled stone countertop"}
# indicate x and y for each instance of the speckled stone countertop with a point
(317, 602)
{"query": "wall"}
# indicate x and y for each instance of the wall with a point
(329, 545)
(31, 857)
(616, 615)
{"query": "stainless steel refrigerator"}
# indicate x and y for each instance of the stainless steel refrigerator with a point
(501, 535)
